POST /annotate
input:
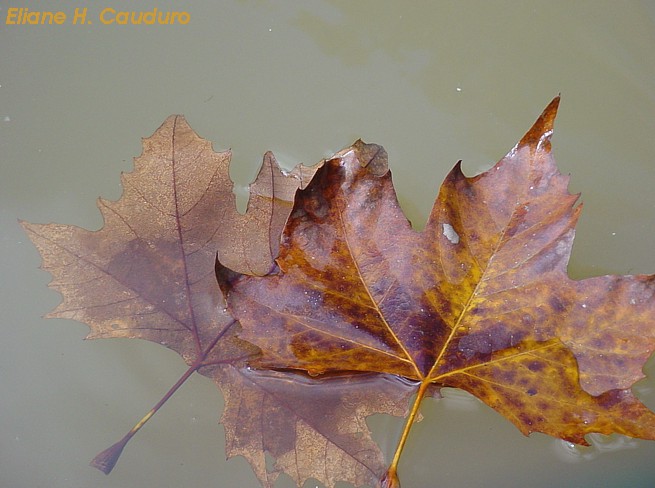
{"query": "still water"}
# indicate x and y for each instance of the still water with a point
(433, 82)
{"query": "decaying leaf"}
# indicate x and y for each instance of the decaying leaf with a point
(479, 300)
(359, 312)
(149, 273)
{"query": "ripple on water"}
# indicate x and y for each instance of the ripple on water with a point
(573, 453)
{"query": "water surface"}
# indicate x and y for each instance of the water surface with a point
(434, 82)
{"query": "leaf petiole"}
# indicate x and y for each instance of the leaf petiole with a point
(390, 479)
(107, 459)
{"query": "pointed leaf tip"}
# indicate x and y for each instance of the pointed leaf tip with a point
(415, 308)
(479, 300)
(541, 131)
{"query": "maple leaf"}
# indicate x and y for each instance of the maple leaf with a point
(479, 300)
(149, 273)
(374, 311)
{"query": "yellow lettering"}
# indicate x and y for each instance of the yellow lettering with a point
(53, 18)
(80, 16)
(12, 16)
(109, 11)
(22, 16)
(149, 17)
(31, 18)
(122, 18)
(60, 18)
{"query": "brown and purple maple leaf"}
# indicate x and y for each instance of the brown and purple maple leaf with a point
(321, 305)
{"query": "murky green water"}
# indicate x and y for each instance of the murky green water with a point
(433, 82)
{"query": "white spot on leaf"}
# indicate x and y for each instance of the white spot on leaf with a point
(450, 234)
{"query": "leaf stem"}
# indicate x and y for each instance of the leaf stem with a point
(107, 459)
(390, 479)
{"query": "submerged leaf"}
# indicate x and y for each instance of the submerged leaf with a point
(149, 274)
(337, 309)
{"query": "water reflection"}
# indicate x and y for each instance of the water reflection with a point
(600, 444)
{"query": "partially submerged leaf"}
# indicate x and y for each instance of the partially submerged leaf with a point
(479, 300)
(359, 312)
(312, 428)
(149, 274)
